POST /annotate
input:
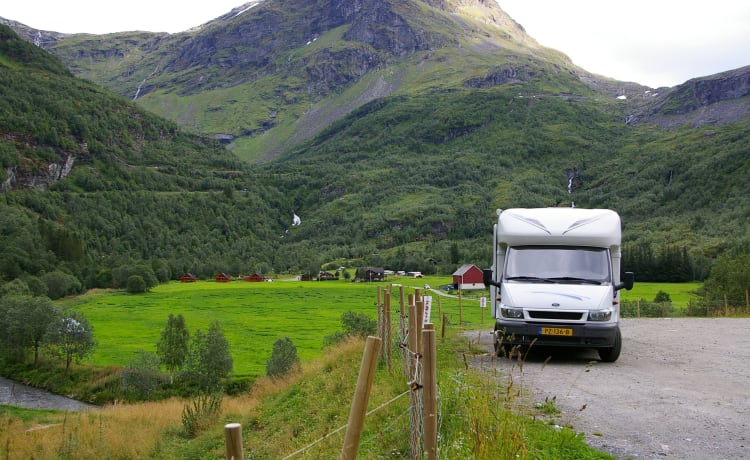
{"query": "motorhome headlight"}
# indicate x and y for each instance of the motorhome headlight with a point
(508, 312)
(600, 315)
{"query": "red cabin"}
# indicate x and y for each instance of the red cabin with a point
(468, 277)
(223, 278)
(254, 278)
(188, 278)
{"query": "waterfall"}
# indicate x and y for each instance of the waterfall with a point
(570, 189)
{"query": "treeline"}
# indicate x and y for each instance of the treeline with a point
(668, 264)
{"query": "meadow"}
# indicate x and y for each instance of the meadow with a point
(679, 293)
(252, 315)
(489, 417)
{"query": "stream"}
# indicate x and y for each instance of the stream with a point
(20, 395)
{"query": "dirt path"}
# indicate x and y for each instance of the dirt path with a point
(680, 389)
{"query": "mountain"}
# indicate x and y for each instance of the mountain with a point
(90, 182)
(394, 129)
(272, 73)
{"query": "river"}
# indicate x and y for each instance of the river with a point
(20, 395)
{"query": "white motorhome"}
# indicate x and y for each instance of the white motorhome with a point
(555, 279)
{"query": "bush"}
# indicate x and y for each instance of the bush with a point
(662, 296)
(136, 284)
(59, 284)
(200, 413)
(283, 359)
(356, 324)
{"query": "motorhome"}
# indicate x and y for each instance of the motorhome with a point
(555, 279)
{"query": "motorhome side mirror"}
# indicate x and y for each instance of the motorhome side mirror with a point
(627, 281)
(487, 275)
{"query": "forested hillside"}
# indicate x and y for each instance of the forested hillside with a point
(93, 184)
(400, 163)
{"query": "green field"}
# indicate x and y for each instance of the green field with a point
(252, 315)
(679, 293)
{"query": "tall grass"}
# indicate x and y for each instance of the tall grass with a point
(483, 414)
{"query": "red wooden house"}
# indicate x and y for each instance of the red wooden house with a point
(467, 277)
(254, 278)
(223, 278)
(188, 278)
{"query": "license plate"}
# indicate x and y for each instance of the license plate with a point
(556, 331)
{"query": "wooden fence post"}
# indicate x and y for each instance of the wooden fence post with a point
(460, 307)
(413, 343)
(361, 397)
(443, 320)
(429, 395)
(707, 304)
(381, 319)
(726, 305)
(420, 324)
(415, 421)
(387, 329)
(233, 436)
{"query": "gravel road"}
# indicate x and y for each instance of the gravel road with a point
(680, 389)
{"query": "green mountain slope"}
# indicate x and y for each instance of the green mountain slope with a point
(394, 129)
(272, 75)
(91, 182)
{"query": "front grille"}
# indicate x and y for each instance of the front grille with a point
(552, 314)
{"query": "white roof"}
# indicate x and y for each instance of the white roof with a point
(559, 226)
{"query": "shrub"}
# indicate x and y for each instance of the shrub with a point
(357, 324)
(662, 296)
(283, 359)
(200, 413)
(136, 284)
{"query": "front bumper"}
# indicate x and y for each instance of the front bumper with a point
(585, 335)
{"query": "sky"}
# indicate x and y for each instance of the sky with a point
(652, 42)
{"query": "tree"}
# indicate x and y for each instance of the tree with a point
(142, 376)
(73, 337)
(136, 284)
(730, 275)
(173, 345)
(209, 359)
(24, 323)
(217, 357)
(283, 359)
(16, 287)
(59, 284)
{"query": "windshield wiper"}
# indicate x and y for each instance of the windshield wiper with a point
(533, 279)
(572, 279)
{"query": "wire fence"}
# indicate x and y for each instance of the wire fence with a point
(707, 305)
(412, 322)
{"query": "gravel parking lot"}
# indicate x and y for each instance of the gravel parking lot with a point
(680, 389)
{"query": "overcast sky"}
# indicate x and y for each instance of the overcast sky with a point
(652, 42)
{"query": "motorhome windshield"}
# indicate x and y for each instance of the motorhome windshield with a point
(555, 264)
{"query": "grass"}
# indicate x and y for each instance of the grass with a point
(252, 315)
(680, 293)
(482, 415)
